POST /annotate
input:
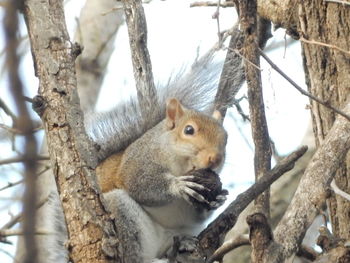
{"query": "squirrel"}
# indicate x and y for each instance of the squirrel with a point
(151, 177)
(149, 186)
(148, 176)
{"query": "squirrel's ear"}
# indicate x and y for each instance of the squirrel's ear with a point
(174, 111)
(217, 116)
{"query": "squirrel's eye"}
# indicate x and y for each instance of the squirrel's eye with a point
(189, 130)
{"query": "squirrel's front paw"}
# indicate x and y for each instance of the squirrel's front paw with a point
(184, 187)
(213, 193)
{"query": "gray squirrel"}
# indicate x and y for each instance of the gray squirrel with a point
(147, 176)
(157, 199)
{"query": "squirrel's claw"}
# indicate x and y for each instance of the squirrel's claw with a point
(185, 189)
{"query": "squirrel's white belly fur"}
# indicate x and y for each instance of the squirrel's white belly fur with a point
(178, 215)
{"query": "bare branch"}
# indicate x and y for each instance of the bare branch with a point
(14, 130)
(228, 246)
(210, 238)
(314, 42)
(9, 184)
(137, 28)
(23, 124)
(7, 110)
(23, 159)
(282, 13)
(211, 3)
(21, 232)
(338, 191)
(300, 89)
(312, 190)
(73, 155)
(232, 75)
(98, 24)
(15, 219)
(338, 1)
(260, 133)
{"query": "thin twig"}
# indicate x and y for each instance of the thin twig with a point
(15, 219)
(7, 110)
(23, 159)
(241, 240)
(210, 3)
(301, 90)
(9, 184)
(6, 252)
(325, 44)
(338, 191)
(209, 238)
(338, 1)
(247, 60)
(20, 232)
(18, 131)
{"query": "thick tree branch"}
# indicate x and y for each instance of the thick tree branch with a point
(282, 13)
(262, 152)
(210, 238)
(232, 75)
(91, 231)
(312, 190)
(137, 28)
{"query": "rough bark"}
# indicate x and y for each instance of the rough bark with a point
(137, 29)
(262, 153)
(327, 74)
(282, 13)
(311, 194)
(92, 233)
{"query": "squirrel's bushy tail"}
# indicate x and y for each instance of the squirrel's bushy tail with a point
(114, 130)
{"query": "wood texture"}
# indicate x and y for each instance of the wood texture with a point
(92, 234)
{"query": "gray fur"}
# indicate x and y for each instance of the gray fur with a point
(116, 129)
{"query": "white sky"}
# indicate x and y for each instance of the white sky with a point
(175, 33)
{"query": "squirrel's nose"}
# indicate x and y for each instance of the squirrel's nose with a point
(214, 159)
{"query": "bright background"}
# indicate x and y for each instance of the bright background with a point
(176, 33)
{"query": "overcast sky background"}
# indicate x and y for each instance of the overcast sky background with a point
(175, 34)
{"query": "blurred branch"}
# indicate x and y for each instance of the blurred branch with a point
(24, 159)
(21, 232)
(7, 110)
(25, 125)
(15, 219)
(21, 181)
(36, 127)
(97, 26)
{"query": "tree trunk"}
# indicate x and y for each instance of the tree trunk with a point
(327, 74)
